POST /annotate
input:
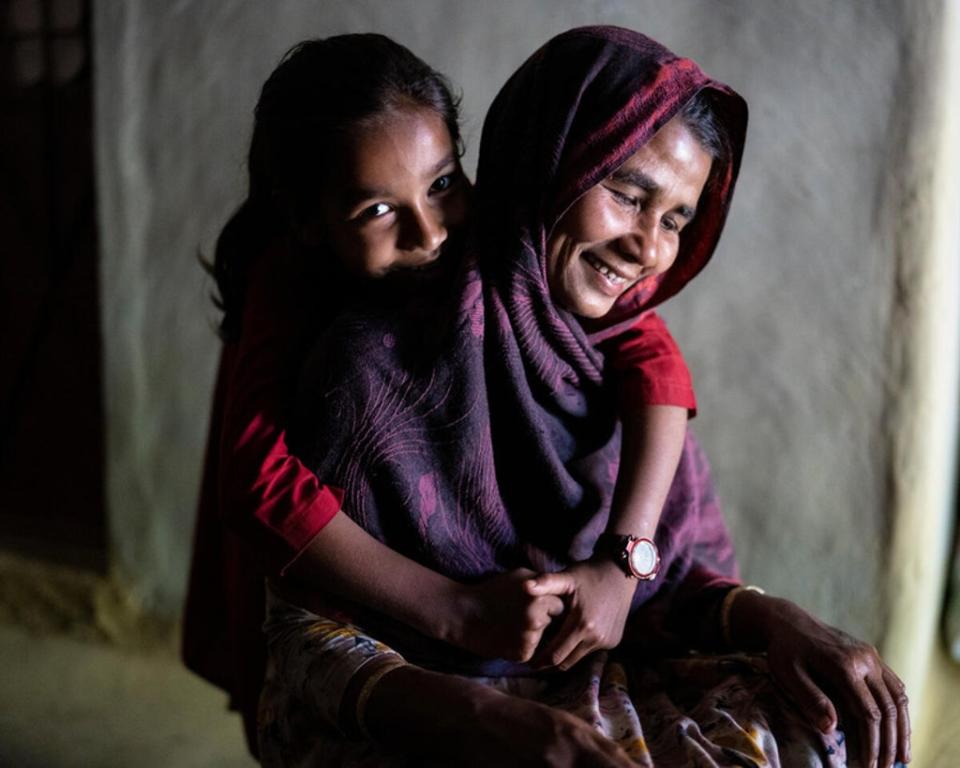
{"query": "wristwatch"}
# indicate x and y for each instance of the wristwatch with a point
(638, 557)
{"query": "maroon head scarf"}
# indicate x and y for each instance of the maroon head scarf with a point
(573, 114)
(497, 446)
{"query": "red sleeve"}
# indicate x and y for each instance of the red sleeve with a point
(275, 502)
(649, 365)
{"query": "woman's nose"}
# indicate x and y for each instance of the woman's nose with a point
(641, 244)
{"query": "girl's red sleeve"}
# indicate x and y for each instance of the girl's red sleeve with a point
(274, 502)
(649, 365)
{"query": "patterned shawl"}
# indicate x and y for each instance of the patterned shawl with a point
(470, 422)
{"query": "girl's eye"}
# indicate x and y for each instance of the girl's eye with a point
(375, 211)
(670, 225)
(443, 183)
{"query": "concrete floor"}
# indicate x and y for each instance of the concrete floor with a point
(66, 702)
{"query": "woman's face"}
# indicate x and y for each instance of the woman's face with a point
(627, 228)
(395, 196)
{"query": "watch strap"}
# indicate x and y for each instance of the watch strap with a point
(613, 546)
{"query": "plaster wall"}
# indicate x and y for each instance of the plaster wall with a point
(789, 332)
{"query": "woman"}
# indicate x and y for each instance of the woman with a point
(494, 447)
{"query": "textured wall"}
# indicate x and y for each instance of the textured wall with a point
(788, 332)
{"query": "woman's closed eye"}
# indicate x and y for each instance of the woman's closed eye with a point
(673, 222)
(625, 198)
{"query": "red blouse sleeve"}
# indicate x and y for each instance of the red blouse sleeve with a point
(275, 502)
(649, 365)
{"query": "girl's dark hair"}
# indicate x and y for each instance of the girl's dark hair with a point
(699, 114)
(320, 90)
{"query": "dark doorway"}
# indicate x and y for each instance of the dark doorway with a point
(51, 413)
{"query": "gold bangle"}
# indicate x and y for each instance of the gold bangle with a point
(368, 686)
(727, 605)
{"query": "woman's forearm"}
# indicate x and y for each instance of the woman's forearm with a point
(749, 616)
(755, 621)
(443, 719)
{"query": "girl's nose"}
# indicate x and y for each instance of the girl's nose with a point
(427, 232)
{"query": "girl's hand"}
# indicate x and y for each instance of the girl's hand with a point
(597, 596)
(447, 720)
(832, 676)
(500, 617)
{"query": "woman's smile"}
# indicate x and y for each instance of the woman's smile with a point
(609, 280)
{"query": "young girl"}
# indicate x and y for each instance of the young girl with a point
(354, 175)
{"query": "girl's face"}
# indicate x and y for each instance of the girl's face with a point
(396, 194)
(627, 228)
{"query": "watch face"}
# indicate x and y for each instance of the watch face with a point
(644, 559)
